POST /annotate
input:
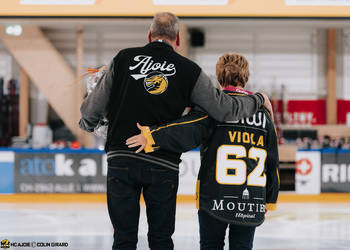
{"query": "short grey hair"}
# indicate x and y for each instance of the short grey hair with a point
(165, 24)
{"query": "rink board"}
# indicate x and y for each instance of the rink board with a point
(84, 171)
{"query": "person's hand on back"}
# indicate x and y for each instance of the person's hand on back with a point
(137, 140)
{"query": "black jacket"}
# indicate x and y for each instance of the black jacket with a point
(239, 176)
(153, 85)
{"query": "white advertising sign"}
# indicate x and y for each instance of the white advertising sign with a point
(318, 2)
(190, 2)
(7, 156)
(189, 168)
(58, 2)
(308, 172)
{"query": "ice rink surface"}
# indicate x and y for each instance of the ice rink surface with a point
(294, 226)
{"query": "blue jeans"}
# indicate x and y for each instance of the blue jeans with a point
(126, 179)
(212, 234)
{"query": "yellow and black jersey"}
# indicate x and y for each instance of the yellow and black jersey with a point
(239, 175)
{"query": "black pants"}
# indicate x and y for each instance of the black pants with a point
(126, 179)
(212, 234)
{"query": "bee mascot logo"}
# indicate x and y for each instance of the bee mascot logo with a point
(156, 83)
(5, 244)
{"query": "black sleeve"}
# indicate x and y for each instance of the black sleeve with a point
(220, 106)
(183, 134)
(272, 171)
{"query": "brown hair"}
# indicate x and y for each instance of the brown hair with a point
(232, 69)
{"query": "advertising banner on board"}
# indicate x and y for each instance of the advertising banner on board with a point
(6, 172)
(69, 172)
(59, 173)
(72, 171)
(189, 168)
(335, 171)
(307, 172)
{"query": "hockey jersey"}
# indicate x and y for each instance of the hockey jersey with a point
(239, 175)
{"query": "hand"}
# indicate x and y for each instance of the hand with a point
(267, 104)
(137, 140)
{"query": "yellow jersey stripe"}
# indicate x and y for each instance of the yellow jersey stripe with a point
(271, 206)
(198, 183)
(149, 139)
(236, 94)
(179, 123)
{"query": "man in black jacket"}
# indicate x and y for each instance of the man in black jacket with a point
(151, 85)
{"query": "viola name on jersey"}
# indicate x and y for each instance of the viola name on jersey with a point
(245, 137)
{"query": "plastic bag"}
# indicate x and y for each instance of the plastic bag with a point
(96, 74)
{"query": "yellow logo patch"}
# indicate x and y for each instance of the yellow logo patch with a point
(5, 244)
(156, 83)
